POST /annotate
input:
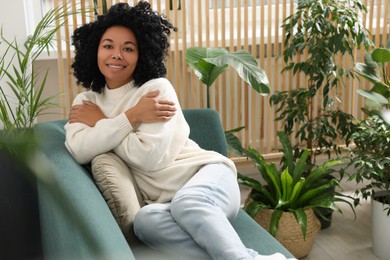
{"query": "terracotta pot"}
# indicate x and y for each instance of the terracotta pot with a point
(289, 232)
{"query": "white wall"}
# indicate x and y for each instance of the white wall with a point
(13, 24)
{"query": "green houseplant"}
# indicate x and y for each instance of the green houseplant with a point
(324, 30)
(370, 155)
(19, 74)
(209, 63)
(317, 33)
(289, 189)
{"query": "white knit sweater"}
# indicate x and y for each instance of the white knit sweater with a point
(160, 155)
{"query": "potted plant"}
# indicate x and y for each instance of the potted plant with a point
(370, 155)
(19, 108)
(209, 63)
(320, 31)
(287, 192)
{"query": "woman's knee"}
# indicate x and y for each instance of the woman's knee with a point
(147, 219)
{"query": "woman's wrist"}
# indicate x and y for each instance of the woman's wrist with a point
(132, 117)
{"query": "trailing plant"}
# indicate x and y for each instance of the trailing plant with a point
(319, 31)
(289, 189)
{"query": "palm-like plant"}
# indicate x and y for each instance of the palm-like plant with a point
(289, 189)
(18, 72)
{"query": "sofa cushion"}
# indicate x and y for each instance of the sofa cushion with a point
(116, 182)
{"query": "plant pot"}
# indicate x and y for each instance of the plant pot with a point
(327, 213)
(289, 232)
(380, 228)
(20, 235)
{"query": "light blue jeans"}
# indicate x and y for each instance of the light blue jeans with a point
(196, 224)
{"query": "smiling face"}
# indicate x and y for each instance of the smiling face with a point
(117, 56)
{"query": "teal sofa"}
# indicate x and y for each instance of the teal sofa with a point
(76, 222)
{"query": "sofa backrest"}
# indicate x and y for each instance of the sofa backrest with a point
(206, 129)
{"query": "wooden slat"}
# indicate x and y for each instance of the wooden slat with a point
(237, 87)
(216, 90)
(61, 68)
(184, 29)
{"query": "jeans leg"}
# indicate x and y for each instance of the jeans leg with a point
(196, 223)
(203, 208)
(155, 226)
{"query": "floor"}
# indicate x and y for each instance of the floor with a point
(347, 238)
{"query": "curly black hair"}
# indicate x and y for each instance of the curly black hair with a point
(151, 29)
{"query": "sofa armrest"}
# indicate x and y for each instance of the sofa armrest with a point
(256, 237)
(75, 219)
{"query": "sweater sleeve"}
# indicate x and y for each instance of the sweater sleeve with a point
(154, 146)
(84, 142)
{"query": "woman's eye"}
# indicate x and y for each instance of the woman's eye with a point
(107, 46)
(128, 49)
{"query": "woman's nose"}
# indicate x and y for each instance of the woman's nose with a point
(117, 56)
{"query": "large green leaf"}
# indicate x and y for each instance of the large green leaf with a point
(209, 63)
(253, 207)
(233, 143)
(247, 68)
(321, 172)
(204, 70)
(287, 185)
(259, 162)
(274, 223)
(287, 150)
(381, 55)
(368, 72)
(301, 166)
(275, 182)
(300, 216)
(296, 192)
(314, 193)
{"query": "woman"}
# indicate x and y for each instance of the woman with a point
(191, 194)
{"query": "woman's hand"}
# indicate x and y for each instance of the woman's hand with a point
(87, 113)
(150, 109)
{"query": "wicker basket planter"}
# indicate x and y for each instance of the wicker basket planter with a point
(289, 232)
